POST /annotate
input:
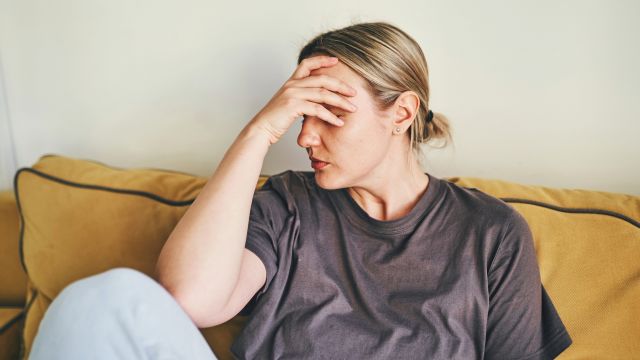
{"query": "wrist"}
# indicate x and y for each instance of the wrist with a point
(252, 131)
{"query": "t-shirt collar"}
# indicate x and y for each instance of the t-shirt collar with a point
(403, 225)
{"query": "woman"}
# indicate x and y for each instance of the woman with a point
(366, 256)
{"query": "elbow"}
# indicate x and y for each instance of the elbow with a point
(201, 314)
(179, 298)
(202, 310)
(192, 312)
(190, 309)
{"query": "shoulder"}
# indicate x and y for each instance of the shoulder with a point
(286, 188)
(480, 205)
(290, 181)
(506, 231)
(275, 201)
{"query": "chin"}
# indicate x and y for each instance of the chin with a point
(326, 181)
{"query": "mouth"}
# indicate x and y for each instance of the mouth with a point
(317, 164)
(314, 159)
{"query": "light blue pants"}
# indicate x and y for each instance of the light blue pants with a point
(120, 313)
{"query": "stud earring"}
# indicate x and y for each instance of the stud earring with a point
(398, 130)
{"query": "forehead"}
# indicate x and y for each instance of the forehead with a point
(343, 73)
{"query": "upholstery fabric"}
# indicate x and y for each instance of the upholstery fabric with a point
(13, 280)
(11, 323)
(79, 217)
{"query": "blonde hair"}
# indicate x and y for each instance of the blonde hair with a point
(391, 62)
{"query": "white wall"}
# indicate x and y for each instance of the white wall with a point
(539, 92)
(7, 149)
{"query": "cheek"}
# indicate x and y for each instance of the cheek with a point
(360, 147)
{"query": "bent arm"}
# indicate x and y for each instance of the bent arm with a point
(200, 262)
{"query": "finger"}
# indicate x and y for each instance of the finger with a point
(309, 64)
(319, 111)
(321, 95)
(326, 81)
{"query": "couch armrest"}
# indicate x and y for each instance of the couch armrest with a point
(11, 324)
(13, 280)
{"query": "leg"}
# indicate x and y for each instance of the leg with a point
(118, 314)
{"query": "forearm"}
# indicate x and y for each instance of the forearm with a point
(200, 261)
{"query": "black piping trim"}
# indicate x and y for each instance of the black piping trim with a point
(106, 188)
(15, 194)
(574, 210)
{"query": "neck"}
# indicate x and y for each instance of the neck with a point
(385, 197)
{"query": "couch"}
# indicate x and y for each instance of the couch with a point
(68, 218)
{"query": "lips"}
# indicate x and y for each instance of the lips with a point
(318, 164)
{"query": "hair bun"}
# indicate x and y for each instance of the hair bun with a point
(425, 128)
(429, 116)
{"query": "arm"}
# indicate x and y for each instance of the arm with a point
(200, 261)
(523, 322)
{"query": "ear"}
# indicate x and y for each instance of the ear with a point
(405, 109)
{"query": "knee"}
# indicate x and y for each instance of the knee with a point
(121, 278)
(113, 286)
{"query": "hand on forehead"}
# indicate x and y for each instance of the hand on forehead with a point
(341, 72)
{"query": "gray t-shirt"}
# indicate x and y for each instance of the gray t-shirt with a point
(455, 278)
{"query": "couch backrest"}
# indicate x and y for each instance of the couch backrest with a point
(81, 217)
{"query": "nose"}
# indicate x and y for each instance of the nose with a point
(309, 133)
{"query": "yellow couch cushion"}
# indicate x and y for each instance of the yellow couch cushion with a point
(82, 217)
(588, 248)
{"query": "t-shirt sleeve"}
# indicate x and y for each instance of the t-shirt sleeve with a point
(266, 220)
(522, 321)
